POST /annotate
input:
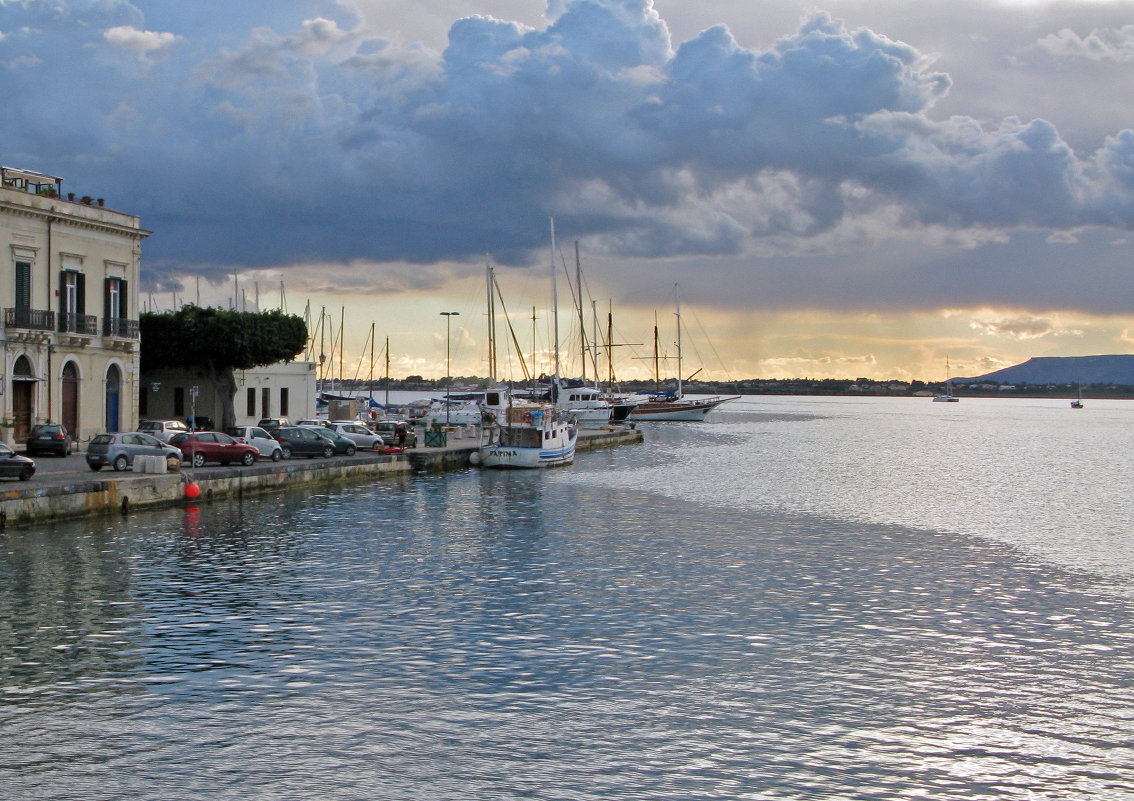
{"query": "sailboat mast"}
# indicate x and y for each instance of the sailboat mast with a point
(582, 324)
(677, 302)
(371, 362)
(555, 305)
(387, 372)
(490, 281)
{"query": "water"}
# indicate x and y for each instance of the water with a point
(803, 599)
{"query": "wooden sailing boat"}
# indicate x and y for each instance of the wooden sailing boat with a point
(675, 406)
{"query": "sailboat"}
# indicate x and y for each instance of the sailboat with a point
(948, 397)
(531, 434)
(675, 406)
(1078, 402)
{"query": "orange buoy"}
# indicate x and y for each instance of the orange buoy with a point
(192, 491)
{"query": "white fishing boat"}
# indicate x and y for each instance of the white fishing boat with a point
(528, 436)
(674, 406)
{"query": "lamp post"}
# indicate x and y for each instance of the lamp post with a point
(448, 374)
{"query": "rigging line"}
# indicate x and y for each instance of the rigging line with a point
(359, 365)
(712, 347)
(512, 331)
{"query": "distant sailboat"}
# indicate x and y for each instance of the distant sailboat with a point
(1078, 402)
(948, 397)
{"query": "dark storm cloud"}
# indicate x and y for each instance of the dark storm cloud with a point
(303, 140)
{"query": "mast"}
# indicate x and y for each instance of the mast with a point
(371, 362)
(657, 368)
(490, 279)
(555, 307)
(582, 324)
(677, 302)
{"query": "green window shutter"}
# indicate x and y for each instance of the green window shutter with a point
(23, 285)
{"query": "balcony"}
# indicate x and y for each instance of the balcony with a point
(85, 324)
(31, 319)
(120, 327)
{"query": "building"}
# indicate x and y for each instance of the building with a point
(66, 258)
(285, 389)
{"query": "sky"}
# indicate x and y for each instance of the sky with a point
(839, 189)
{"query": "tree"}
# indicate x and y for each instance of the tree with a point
(218, 341)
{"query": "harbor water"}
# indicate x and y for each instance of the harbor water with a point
(802, 598)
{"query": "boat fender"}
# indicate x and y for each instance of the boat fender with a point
(474, 458)
(529, 417)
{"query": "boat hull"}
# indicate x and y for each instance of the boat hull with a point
(512, 457)
(683, 410)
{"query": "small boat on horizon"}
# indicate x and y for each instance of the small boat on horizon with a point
(948, 397)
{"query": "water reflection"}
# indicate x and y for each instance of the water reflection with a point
(519, 635)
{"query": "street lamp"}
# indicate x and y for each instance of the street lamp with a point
(448, 375)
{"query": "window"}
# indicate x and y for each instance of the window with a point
(283, 402)
(265, 402)
(250, 408)
(23, 285)
(114, 300)
(179, 401)
(143, 402)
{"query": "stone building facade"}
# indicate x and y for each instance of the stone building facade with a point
(69, 293)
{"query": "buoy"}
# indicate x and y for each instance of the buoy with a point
(192, 491)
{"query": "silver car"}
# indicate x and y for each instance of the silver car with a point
(259, 439)
(118, 450)
(357, 433)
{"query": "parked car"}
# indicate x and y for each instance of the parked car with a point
(49, 438)
(258, 438)
(119, 449)
(199, 423)
(303, 441)
(270, 423)
(397, 432)
(340, 443)
(311, 421)
(163, 429)
(13, 465)
(357, 433)
(214, 446)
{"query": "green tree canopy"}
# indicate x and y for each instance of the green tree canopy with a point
(218, 339)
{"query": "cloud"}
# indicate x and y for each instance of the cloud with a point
(128, 37)
(303, 138)
(1023, 327)
(1101, 44)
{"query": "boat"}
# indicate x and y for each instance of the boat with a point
(529, 436)
(948, 396)
(1078, 402)
(674, 406)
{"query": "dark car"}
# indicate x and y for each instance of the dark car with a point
(270, 423)
(49, 438)
(340, 443)
(398, 433)
(13, 465)
(199, 423)
(301, 441)
(119, 449)
(214, 446)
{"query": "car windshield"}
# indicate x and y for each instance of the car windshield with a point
(102, 439)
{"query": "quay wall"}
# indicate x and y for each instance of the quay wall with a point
(73, 495)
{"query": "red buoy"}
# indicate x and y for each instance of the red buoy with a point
(192, 491)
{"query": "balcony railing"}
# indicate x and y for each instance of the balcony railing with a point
(120, 327)
(37, 319)
(71, 323)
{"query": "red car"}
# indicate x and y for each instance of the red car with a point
(213, 446)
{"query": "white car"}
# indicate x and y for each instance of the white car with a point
(259, 439)
(357, 433)
(163, 429)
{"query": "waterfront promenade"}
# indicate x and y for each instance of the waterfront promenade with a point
(66, 487)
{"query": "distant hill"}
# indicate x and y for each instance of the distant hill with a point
(1117, 369)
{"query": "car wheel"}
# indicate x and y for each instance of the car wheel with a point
(328, 452)
(26, 473)
(286, 452)
(198, 460)
(277, 454)
(95, 467)
(121, 463)
(247, 459)
(350, 450)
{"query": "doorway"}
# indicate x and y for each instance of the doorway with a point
(70, 416)
(113, 394)
(23, 389)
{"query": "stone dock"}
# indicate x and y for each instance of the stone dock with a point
(60, 495)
